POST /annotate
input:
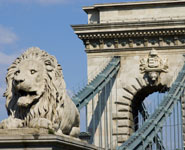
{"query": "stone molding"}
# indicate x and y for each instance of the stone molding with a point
(135, 4)
(128, 40)
(34, 139)
(130, 33)
(142, 27)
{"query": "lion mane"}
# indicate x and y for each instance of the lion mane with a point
(53, 101)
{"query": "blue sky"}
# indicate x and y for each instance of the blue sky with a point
(45, 24)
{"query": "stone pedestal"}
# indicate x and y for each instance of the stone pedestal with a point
(39, 139)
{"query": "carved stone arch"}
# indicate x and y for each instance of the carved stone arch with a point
(132, 96)
(134, 85)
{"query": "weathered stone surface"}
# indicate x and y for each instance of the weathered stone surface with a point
(24, 131)
(141, 82)
(36, 95)
(124, 108)
(128, 12)
(125, 123)
(122, 138)
(122, 131)
(130, 89)
(122, 115)
(39, 139)
(137, 86)
(123, 101)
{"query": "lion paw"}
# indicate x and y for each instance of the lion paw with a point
(11, 123)
(75, 132)
(40, 123)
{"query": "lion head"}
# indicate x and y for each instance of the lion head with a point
(35, 86)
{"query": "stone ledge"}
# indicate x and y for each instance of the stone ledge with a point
(24, 131)
(39, 139)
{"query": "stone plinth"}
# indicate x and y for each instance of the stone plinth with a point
(39, 139)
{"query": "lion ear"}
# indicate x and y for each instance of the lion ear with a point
(49, 65)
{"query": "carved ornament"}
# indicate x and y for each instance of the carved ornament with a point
(153, 65)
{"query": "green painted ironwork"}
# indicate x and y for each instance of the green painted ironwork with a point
(146, 115)
(83, 97)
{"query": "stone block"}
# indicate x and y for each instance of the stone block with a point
(125, 123)
(183, 113)
(122, 138)
(121, 115)
(39, 139)
(128, 96)
(123, 101)
(123, 108)
(122, 131)
(130, 89)
(136, 86)
(141, 82)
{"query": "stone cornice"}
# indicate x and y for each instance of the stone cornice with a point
(135, 49)
(135, 4)
(134, 29)
(136, 35)
(167, 39)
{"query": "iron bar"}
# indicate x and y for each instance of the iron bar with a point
(170, 126)
(100, 120)
(86, 110)
(106, 117)
(116, 114)
(178, 129)
(110, 114)
(174, 127)
(181, 122)
(93, 119)
(105, 133)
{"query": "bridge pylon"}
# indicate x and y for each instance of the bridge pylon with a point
(149, 38)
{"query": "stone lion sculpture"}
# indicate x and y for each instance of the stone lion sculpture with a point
(36, 95)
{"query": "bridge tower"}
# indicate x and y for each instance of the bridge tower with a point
(149, 38)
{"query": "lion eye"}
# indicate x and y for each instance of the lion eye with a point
(33, 71)
(17, 72)
(47, 62)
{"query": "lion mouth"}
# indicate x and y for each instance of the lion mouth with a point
(25, 93)
(26, 97)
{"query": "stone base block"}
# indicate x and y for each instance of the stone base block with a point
(39, 139)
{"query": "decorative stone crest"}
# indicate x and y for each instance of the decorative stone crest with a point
(153, 65)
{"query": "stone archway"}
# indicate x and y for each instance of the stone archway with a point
(135, 94)
(139, 85)
(132, 96)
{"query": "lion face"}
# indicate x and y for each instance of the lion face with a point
(28, 82)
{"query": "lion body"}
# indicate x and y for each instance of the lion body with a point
(36, 95)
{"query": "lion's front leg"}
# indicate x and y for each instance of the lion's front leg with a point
(75, 131)
(11, 123)
(40, 123)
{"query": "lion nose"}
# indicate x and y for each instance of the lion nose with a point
(17, 81)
